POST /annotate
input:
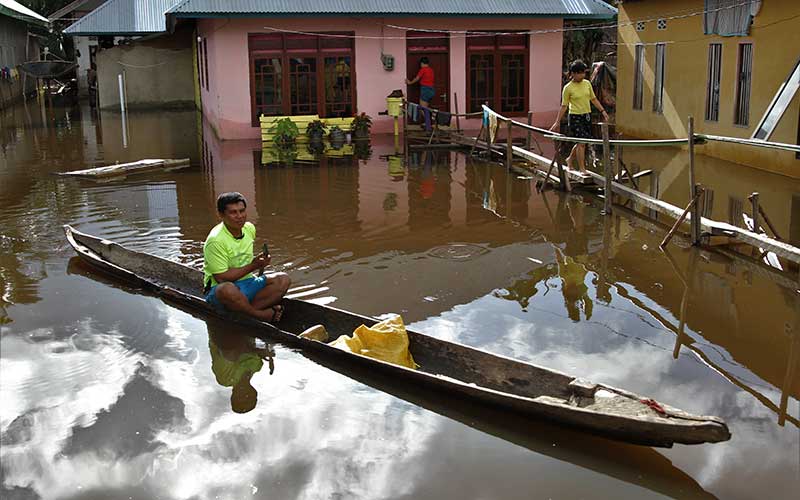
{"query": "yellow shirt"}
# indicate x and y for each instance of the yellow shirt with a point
(222, 251)
(578, 97)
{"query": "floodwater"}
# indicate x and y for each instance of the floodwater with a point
(110, 393)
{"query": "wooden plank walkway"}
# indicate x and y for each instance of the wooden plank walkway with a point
(708, 226)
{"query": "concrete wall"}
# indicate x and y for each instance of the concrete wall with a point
(82, 45)
(226, 103)
(13, 40)
(157, 72)
(775, 35)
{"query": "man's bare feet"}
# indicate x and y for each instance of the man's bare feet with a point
(272, 314)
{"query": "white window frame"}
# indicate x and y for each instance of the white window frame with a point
(778, 106)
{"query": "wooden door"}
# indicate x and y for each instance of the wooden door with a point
(440, 63)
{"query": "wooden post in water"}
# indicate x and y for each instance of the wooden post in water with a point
(754, 203)
(695, 221)
(477, 138)
(509, 144)
(528, 140)
(608, 171)
(404, 110)
(455, 103)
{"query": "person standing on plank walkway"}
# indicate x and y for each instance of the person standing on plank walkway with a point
(577, 97)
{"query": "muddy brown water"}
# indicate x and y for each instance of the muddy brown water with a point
(108, 393)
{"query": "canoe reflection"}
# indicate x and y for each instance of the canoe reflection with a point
(235, 358)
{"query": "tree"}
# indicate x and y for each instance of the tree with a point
(590, 44)
(44, 7)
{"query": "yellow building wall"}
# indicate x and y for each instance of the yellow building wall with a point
(775, 35)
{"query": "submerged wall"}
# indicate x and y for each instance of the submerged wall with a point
(158, 73)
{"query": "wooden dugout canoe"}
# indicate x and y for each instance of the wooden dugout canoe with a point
(125, 169)
(446, 367)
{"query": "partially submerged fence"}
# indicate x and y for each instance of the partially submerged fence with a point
(700, 227)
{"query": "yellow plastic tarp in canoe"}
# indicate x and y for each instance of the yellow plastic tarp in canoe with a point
(386, 341)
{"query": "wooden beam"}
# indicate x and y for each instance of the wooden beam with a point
(608, 170)
(620, 142)
(678, 222)
(509, 144)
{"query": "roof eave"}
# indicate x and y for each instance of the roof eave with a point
(250, 15)
(113, 33)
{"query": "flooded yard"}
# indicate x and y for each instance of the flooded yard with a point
(110, 393)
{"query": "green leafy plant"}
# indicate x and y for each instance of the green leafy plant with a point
(361, 125)
(285, 132)
(316, 130)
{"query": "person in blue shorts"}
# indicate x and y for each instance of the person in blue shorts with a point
(425, 77)
(229, 266)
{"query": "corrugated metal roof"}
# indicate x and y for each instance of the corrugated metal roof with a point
(18, 11)
(560, 8)
(124, 17)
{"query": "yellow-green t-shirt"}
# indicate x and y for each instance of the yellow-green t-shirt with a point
(578, 97)
(222, 251)
(228, 373)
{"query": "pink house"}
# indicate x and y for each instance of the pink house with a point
(339, 57)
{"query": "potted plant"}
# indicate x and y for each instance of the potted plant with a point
(361, 125)
(336, 136)
(316, 131)
(285, 131)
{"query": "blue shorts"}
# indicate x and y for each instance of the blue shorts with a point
(426, 93)
(249, 287)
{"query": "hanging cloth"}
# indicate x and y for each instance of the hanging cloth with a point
(492, 126)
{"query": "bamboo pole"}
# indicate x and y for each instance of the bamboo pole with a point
(405, 132)
(607, 170)
(769, 222)
(695, 222)
(509, 144)
(477, 138)
(680, 220)
(755, 204)
(455, 103)
(530, 122)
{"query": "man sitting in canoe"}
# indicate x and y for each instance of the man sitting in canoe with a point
(228, 265)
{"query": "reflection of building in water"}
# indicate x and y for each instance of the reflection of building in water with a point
(313, 201)
(753, 343)
(429, 184)
(147, 202)
(728, 185)
(150, 134)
